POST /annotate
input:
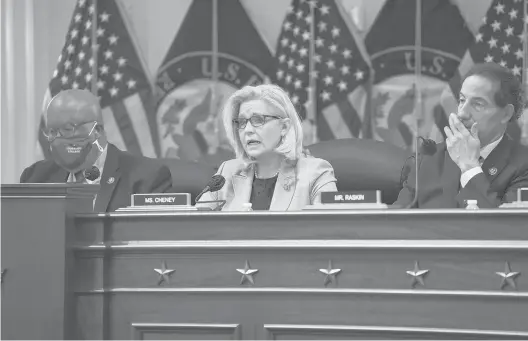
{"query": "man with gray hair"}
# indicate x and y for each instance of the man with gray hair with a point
(81, 153)
(479, 160)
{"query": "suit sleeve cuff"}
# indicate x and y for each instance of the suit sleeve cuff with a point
(468, 175)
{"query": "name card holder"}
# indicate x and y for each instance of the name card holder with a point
(522, 194)
(522, 199)
(350, 200)
(159, 202)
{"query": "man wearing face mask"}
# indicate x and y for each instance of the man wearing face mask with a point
(81, 153)
(479, 160)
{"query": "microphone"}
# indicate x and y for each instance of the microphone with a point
(428, 147)
(92, 173)
(214, 185)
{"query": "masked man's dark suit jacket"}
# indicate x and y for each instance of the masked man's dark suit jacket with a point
(504, 171)
(132, 175)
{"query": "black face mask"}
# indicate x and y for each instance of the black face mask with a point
(73, 154)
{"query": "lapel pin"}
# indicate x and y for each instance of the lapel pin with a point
(110, 180)
(288, 182)
(492, 171)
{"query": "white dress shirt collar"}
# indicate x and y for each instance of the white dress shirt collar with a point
(487, 149)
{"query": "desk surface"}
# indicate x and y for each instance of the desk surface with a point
(368, 212)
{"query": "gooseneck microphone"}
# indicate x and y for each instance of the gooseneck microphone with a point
(214, 185)
(428, 147)
(92, 173)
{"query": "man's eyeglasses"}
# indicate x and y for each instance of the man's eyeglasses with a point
(255, 120)
(67, 131)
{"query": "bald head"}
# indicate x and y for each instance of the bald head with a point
(73, 106)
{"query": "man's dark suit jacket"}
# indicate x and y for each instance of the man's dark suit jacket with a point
(504, 171)
(131, 175)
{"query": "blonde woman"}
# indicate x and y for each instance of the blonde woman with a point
(270, 170)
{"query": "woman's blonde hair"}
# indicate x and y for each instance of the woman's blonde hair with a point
(291, 146)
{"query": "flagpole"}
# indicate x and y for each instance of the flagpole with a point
(311, 112)
(94, 49)
(418, 72)
(214, 35)
(417, 94)
(524, 74)
(525, 48)
(369, 114)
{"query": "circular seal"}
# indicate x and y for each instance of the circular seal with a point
(190, 102)
(395, 112)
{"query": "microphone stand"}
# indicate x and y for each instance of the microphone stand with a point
(207, 188)
(417, 93)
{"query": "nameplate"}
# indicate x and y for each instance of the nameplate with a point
(351, 197)
(522, 194)
(161, 199)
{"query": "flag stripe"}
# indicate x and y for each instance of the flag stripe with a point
(358, 99)
(350, 117)
(125, 125)
(113, 134)
(335, 122)
(147, 99)
(323, 128)
(138, 118)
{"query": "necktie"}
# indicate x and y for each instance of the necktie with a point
(77, 177)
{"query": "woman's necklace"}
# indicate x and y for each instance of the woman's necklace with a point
(258, 177)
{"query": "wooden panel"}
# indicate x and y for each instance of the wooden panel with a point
(36, 227)
(115, 260)
(184, 331)
(298, 267)
(373, 295)
(345, 332)
(253, 308)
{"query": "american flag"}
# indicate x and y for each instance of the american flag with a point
(500, 40)
(340, 69)
(122, 84)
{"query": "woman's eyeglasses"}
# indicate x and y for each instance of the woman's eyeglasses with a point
(66, 131)
(255, 120)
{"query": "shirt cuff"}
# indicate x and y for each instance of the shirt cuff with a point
(468, 175)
